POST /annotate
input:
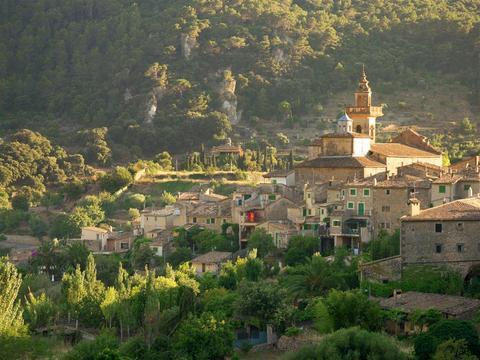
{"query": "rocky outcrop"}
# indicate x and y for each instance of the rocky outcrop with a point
(155, 95)
(228, 99)
(188, 43)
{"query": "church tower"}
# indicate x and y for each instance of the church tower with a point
(363, 114)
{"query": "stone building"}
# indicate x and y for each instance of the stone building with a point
(352, 152)
(443, 235)
(390, 201)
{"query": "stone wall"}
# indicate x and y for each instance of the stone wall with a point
(459, 242)
(388, 269)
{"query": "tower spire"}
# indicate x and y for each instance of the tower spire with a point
(363, 84)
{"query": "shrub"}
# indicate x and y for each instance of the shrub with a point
(352, 343)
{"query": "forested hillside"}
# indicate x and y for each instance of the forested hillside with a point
(171, 75)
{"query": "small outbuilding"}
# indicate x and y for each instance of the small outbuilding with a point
(210, 262)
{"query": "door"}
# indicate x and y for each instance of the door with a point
(361, 209)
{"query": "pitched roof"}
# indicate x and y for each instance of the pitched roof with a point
(221, 208)
(404, 182)
(341, 162)
(447, 179)
(345, 135)
(420, 164)
(399, 150)
(278, 173)
(447, 304)
(464, 209)
(226, 148)
(213, 257)
(96, 229)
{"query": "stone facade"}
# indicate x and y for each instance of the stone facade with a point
(390, 203)
(452, 243)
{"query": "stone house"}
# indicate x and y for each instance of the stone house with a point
(284, 177)
(451, 307)
(390, 200)
(102, 240)
(210, 262)
(211, 215)
(281, 232)
(154, 220)
(454, 186)
(445, 235)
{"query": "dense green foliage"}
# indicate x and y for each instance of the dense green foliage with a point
(427, 343)
(352, 344)
(421, 278)
(100, 63)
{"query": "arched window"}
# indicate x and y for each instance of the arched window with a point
(359, 129)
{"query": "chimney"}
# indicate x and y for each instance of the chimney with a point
(470, 192)
(413, 206)
(396, 294)
(374, 181)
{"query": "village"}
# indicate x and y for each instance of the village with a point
(349, 192)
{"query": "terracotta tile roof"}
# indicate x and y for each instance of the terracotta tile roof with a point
(345, 135)
(448, 179)
(341, 162)
(96, 229)
(420, 164)
(447, 304)
(227, 149)
(404, 182)
(464, 209)
(222, 209)
(213, 257)
(278, 173)
(400, 150)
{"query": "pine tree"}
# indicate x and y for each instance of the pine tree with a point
(11, 319)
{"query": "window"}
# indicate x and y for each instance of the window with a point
(309, 211)
(309, 195)
(208, 221)
(442, 189)
(438, 248)
(212, 221)
(353, 192)
(386, 208)
(350, 205)
(124, 246)
(194, 220)
(272, 197)
(366, 192)
(387, 192)
(274, 181)
(438, 228)
(460, 226)
(460, 248)
(304, 212)
(336, 223)
(385, 225)
(322, 212)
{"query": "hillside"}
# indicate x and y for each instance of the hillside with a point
(172, 75)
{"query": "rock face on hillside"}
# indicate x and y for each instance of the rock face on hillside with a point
(228, 99)
(188, 43)
(155, 95)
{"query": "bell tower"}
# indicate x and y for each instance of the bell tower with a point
(363, 95)
(363, 114)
